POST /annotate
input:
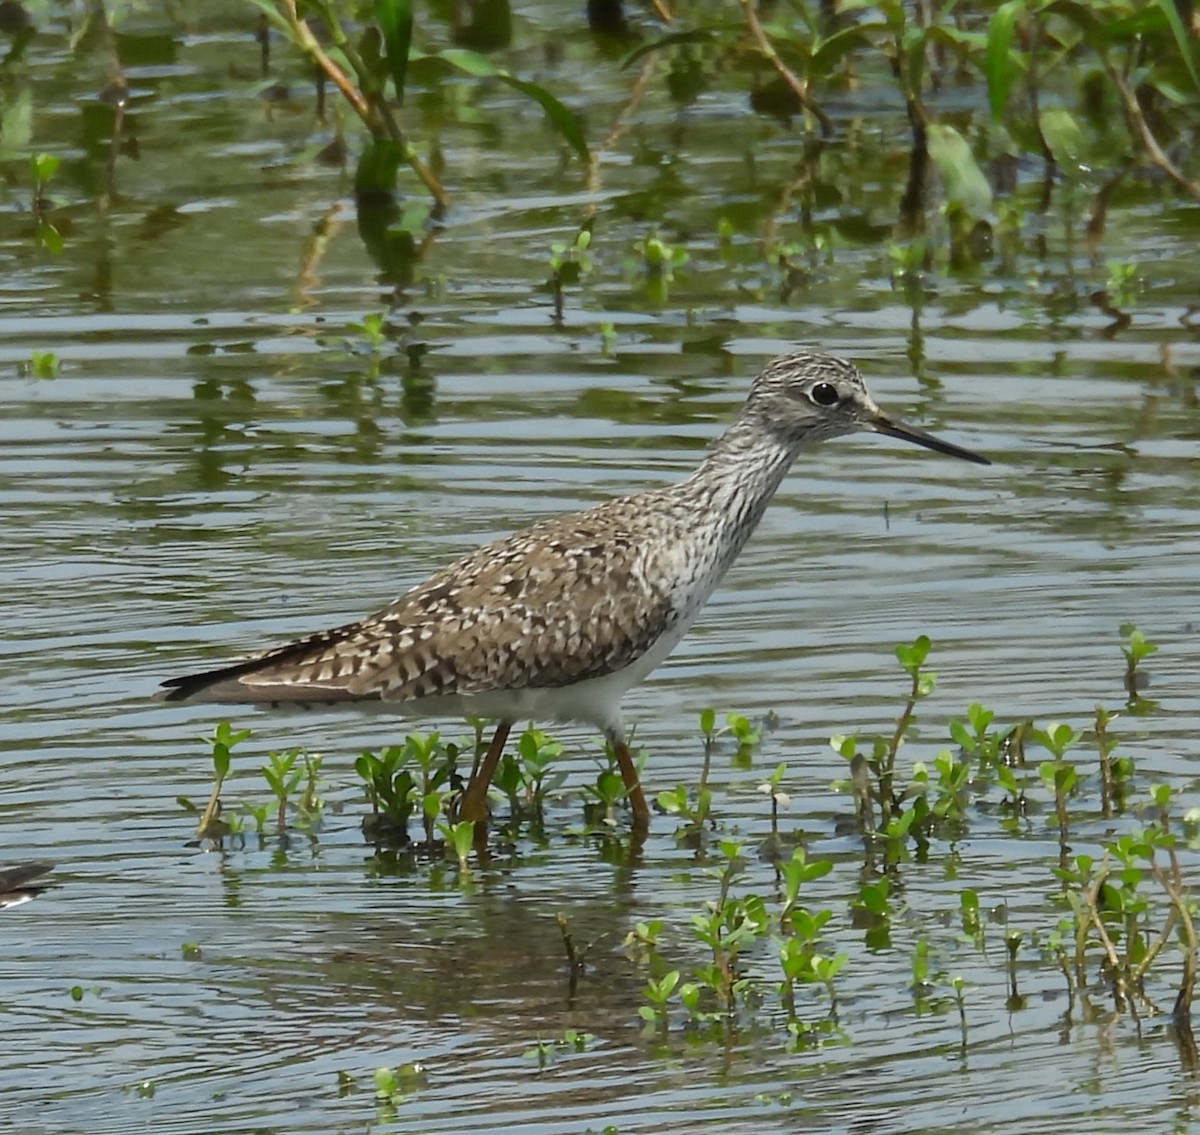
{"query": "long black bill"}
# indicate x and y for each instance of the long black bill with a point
(882, 424)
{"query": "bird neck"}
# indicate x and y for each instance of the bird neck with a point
(737, 479)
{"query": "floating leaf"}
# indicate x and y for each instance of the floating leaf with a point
(965, 183)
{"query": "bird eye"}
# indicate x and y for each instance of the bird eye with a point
(824, 394)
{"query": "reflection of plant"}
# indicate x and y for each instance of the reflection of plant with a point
(1079, 88)
(362, 70)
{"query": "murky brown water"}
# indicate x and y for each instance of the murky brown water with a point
(164, 502)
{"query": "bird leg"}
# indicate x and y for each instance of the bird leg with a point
(473, 805)
(633, 784)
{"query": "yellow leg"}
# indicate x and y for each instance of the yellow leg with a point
(474, 800)
(633, 785)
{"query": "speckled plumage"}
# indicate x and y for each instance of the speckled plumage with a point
(569, 598)
(561, 618)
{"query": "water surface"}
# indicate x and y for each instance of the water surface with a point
(213, 470)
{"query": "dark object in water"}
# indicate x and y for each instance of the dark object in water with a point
(16, 886)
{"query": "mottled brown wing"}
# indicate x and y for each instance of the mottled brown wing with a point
(553, 604)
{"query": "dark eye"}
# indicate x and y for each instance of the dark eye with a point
(824, 394)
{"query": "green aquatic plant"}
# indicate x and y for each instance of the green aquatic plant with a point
(723, 990)
(391, 791)
(210, 824)
(283, 773)
(608, 339)
(772, 788)
(43, 364)
(569, 263)
(367, 52)
(657, 260)
(526, 777)
(373, 331)
(1136, 649)
(658, 993)
(1123, 921)
(695, 808)
(800, 938)
(881, 758)
(726, 925)
(546, 1052)
(608, 792)
(43, 167)
(401, 780)
(460, 837)
(871, 912)
(393, 1086)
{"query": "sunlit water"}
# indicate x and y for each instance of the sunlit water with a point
(211, 471)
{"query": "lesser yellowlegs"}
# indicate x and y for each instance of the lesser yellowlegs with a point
(559, 619)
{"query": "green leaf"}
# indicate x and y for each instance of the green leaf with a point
(1084, 16)
(1063, 136)
(395, 22)
(913, 45)
(49, 237)
(561, 118)
(472, 63)
(997, 63)
(960, 736)
(44, 166)
(16, 125)
(831, 50)
(966, 185)
(696, 35)
(1182, 39)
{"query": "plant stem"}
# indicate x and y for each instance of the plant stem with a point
(1104, 744)
(798, 86)
(888, 804)
(1120, 984)
(1173, 885)
(1140, 129)
(374, 113)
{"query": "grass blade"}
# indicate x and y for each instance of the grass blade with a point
(997, 65)
(395, 23)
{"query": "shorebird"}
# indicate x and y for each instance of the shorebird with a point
(560, 619)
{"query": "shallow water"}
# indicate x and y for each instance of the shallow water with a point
(211, 471)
